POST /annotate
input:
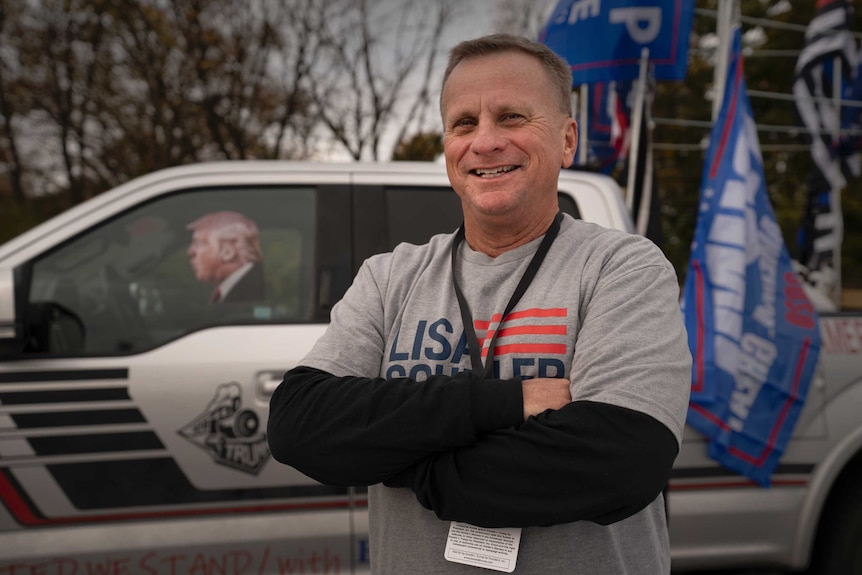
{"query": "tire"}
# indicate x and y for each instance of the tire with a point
(838, 545)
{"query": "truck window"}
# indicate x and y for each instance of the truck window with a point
(415, 214)
(183, 262)
(568, 205)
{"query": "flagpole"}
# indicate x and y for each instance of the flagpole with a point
(726, 10)
(583, 125)
(837, 94)
(642, 221)
(637, 114)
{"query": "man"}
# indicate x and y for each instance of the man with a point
(563, 420)
(225, 251)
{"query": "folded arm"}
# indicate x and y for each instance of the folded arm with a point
(585, 461)
(360, 431)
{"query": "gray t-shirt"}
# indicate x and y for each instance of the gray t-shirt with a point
(602, 311)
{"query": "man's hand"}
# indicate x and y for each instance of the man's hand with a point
(545, 393)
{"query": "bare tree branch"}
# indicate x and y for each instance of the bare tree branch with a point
(445, 13)
(9, 151)
(371, 54)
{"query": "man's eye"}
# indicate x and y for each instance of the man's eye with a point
(512, 116)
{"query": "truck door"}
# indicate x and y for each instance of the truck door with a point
(136, 413)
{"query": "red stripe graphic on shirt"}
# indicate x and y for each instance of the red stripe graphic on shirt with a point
(521, 337)
(529, 330)
(534, 312)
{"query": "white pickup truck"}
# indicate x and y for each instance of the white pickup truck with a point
(132, 408)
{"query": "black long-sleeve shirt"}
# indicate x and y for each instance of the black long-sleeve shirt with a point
(446, 436)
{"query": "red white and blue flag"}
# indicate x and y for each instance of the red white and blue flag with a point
(753, 334)
(608, 126)
(827, 40)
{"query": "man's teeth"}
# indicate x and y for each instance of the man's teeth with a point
(494, 171)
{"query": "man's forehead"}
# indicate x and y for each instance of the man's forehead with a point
(513, 61)
(474, 83)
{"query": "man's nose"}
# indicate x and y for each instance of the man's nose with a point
(487, 138)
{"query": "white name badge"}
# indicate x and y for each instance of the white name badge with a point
(495, 549)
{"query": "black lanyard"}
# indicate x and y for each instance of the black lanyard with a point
(526, 280)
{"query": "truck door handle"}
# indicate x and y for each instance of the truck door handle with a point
(267, 381)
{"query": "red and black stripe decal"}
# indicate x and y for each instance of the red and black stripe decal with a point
(22, 508)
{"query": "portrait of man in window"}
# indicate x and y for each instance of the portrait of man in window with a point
(225, 251)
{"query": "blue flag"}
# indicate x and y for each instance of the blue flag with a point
(753, 333)
(602, 41)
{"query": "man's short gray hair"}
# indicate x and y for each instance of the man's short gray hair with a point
(556, 67)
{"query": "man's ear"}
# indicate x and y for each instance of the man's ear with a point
(570, 142)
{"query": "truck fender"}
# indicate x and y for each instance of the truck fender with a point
(843, 407)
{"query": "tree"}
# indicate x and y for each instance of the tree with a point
(220, 80)
(10, 97)
(106, 90)
(64, 57)
(369, 53)
(423, 147)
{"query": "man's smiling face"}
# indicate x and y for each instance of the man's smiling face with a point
(505, 136)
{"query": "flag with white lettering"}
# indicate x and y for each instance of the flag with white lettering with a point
(828, 39)
(753, 333)
(603, 41)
